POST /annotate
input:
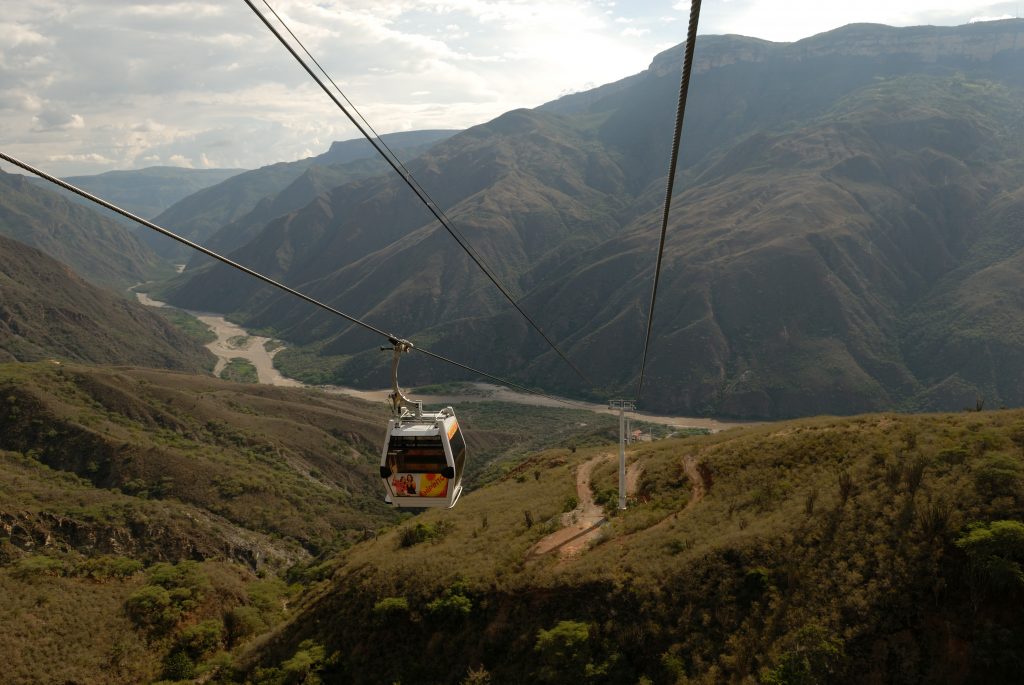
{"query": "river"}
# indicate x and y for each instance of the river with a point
(234, 341)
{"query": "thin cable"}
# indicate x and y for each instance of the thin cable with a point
(429, 204)
(393, 339)
(684, 87)
(345, 97)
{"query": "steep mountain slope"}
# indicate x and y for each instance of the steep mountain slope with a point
(151, 521)
(270, 460)
(48, 311)
(145, 192)
(204, 213)
(832, 218)
(797, 257)
(527, 188)
(149, 518)
(882, 548)
(98, 248)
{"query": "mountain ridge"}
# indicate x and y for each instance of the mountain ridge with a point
(820, 197)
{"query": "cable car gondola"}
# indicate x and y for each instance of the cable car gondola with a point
(424, 454)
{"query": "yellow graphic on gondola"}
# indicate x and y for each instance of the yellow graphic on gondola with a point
(433, 485)
(454, 427)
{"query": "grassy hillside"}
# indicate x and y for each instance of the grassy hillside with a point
(158, 525)
(48, 312)
(148, 519)
(298, 465)
(152, 523)
(97, 247)
(881, 548)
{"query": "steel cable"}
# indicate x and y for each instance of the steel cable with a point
(393, 339)
(414, 186)
(684, 87)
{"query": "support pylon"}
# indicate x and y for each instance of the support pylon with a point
(622, 406)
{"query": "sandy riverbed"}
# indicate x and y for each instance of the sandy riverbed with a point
(233, 341)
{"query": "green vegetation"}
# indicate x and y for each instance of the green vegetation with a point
(821, 551)
(455, 388)
(240, 370)
(50, 313)
(294, 468)
(188, 324)
(421, 532)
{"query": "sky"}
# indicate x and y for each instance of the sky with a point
(95, 85)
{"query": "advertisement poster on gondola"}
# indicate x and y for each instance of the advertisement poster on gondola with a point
(433, 485)
(419, 485)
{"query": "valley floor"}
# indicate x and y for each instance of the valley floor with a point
(233, 341)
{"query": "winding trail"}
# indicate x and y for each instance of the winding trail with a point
(700, 481)
(581, 525)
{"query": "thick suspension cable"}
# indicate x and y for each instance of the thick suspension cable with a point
(393, 339)
(684, 87)
(414, 186)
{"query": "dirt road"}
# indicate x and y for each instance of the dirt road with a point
(582, 523)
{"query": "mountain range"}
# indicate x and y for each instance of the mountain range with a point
(145, 192)
(274, 189)
(844, 224)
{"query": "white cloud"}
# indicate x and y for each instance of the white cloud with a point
(98, 84)
(975, 20)
(57, 120)
(802, 18)
(175, 9)
(21, 34)
(180, 160)
(91, 158)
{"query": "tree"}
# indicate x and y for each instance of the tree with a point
(994, 554)
(564, 652)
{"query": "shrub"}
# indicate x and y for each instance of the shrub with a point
(477, 676)
(453, 607)
(178, 666)
(37, 565)
(815, 656)
(242, 622)
(998, 476)
(994, 553)
(201, 639)
(108, 567)
(391, 607)
(422, 532)
(151, 607)
(564, 652)
(302, 666)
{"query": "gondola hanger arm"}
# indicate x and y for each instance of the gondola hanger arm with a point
(399, 401)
